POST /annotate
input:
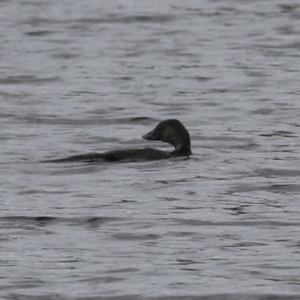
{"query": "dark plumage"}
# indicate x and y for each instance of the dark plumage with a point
(170, 131)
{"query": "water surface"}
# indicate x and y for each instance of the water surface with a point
(92, 76)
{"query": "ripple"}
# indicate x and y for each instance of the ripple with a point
(25, 79)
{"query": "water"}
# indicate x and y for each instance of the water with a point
(91, 76)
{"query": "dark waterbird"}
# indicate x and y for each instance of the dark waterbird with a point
(170, 131)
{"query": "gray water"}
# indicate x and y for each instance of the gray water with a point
(91, 76)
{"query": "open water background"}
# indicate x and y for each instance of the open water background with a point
(90, 76)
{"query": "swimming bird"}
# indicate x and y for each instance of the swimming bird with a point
(170, 131)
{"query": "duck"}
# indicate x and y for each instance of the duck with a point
(171, 131)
